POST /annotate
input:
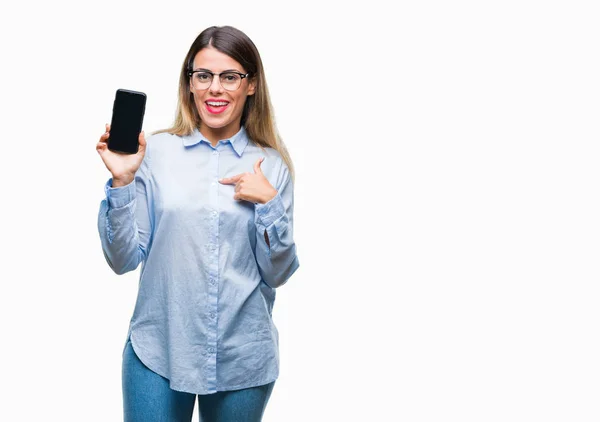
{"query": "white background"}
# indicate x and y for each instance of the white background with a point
(446, 203)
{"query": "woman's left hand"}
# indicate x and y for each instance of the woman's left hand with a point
(252, 187)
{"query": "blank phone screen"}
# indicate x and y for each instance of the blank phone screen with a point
(127, 119)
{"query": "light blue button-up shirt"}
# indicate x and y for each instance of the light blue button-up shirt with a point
(203, 315)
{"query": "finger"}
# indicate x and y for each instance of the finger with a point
(101, 147)
(231, 180)
(257, 168)
(107, 127)
(104, 137)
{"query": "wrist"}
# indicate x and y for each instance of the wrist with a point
(269, 196)
(118, 182)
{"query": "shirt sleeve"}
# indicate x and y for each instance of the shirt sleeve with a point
(124, 222)
(277, 261)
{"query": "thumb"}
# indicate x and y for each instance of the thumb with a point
(257, 168)
(142, 141)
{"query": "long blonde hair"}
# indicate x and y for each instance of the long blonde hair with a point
(257, 116)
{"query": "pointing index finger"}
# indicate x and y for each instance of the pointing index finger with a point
(230, 180)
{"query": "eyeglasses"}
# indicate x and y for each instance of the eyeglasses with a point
(202, 79)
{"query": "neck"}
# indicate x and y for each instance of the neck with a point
(214, 135)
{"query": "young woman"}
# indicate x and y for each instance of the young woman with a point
(207, 207)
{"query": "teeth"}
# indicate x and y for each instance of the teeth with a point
(217, 103)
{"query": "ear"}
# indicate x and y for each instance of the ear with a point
(251, 86)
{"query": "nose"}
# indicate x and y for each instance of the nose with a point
(215, 85)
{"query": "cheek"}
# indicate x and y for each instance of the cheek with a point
(199, 105)
(240, 100)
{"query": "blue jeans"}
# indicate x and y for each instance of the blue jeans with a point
(147, 397)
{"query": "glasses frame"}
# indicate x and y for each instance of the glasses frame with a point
(242, 76)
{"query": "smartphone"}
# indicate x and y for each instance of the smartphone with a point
(127, 118)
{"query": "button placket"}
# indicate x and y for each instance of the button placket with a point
(213, 270)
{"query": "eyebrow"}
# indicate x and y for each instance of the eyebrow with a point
(208, 70)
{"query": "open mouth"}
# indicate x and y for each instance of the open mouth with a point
(216, 107)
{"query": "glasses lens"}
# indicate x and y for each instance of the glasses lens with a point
(230, 81)
(201, 80)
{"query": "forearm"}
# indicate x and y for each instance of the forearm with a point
(119, 231)
(276, 265)
(275, 250)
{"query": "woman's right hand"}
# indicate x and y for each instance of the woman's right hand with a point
(122, 166)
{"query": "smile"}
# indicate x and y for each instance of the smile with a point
(216, 107)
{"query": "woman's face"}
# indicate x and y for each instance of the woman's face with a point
(220, 110)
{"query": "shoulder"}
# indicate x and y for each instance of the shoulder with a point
(163, 138)
(161, 142)
(272, 152)
(272, 156)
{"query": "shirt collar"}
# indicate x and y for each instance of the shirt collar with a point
(237, 141)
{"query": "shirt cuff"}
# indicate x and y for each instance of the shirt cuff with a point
(271, 211)
(120, 196)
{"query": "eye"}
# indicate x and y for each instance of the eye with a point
(202, 76)
(230, 77)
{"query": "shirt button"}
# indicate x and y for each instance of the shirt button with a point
(212, 281)
(215, 213)
(211, 350)
(215, 153)
(212, 314)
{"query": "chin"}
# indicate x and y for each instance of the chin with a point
(213, 123)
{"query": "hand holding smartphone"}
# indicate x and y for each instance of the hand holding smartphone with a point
(127, 119)
(123, 146)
